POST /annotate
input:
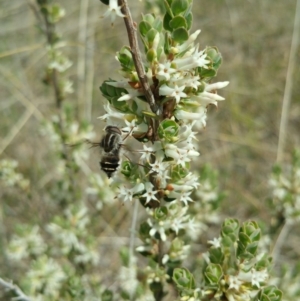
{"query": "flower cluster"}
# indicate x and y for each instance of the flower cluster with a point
(160, 144)
(205, 209)
(73, 134)
(180, 76)
(9, 177)
(57, 61)
(233, 269)
(288, 281)
(28, 242)
(286, 189)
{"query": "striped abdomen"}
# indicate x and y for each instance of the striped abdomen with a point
(111, 144)
(109, 164)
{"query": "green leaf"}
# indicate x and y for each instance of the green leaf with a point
(166, 22)
(216, 255)
(180, 35)
(206, 73)
(106, 2)
(230, 229)
(144, 231)
(151, 55)
(125, 256)
(149, 18)
(168, 129)
(183, 278)
(177, 22)
(151, 36)
(134, 106)
(125, 59)
(144, 28)
(107, 295)
(44, 10)
(168, 8)
(264, 262)
(158, 25)
(112, 94)
(269, 293)
(179, 172)
(189, 20)
(156, 287)
(161, 213)
(214, 56)
(167, 43)
(150, 114)
(213, 274)
(179, 6)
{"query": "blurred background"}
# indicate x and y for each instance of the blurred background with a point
(241, 138)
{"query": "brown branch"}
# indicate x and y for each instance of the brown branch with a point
(132, 36)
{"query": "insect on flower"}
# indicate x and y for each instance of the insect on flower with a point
(111, 146)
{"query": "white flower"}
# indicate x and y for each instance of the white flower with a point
(130, 127)
(47, 275)
(113, 11)
(176, 92)
(67, 86)
(110, 112)
(258, 276)
(182, 187)
(189, 42)
(29, 243)
(216, 86)
(185, 198)
(126, 194)
(188, 81)
(165, 259)
(158, 228)
(128, 277)
(195, 228)
(59, 62)
(197, 59)
(164, 71)
(78, 217)
(179, 154)
(206, 97)
(216, 242)
(159, 167)
(132, 93)
(178, 224)
(146, 153)
(150, 193)
(119, 84)
(199, 116)
(234, 282)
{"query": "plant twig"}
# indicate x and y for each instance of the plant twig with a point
(131, 31)
(284, 231)
(12, 287)
(289, 85)
(49, 31)
(133, 230)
